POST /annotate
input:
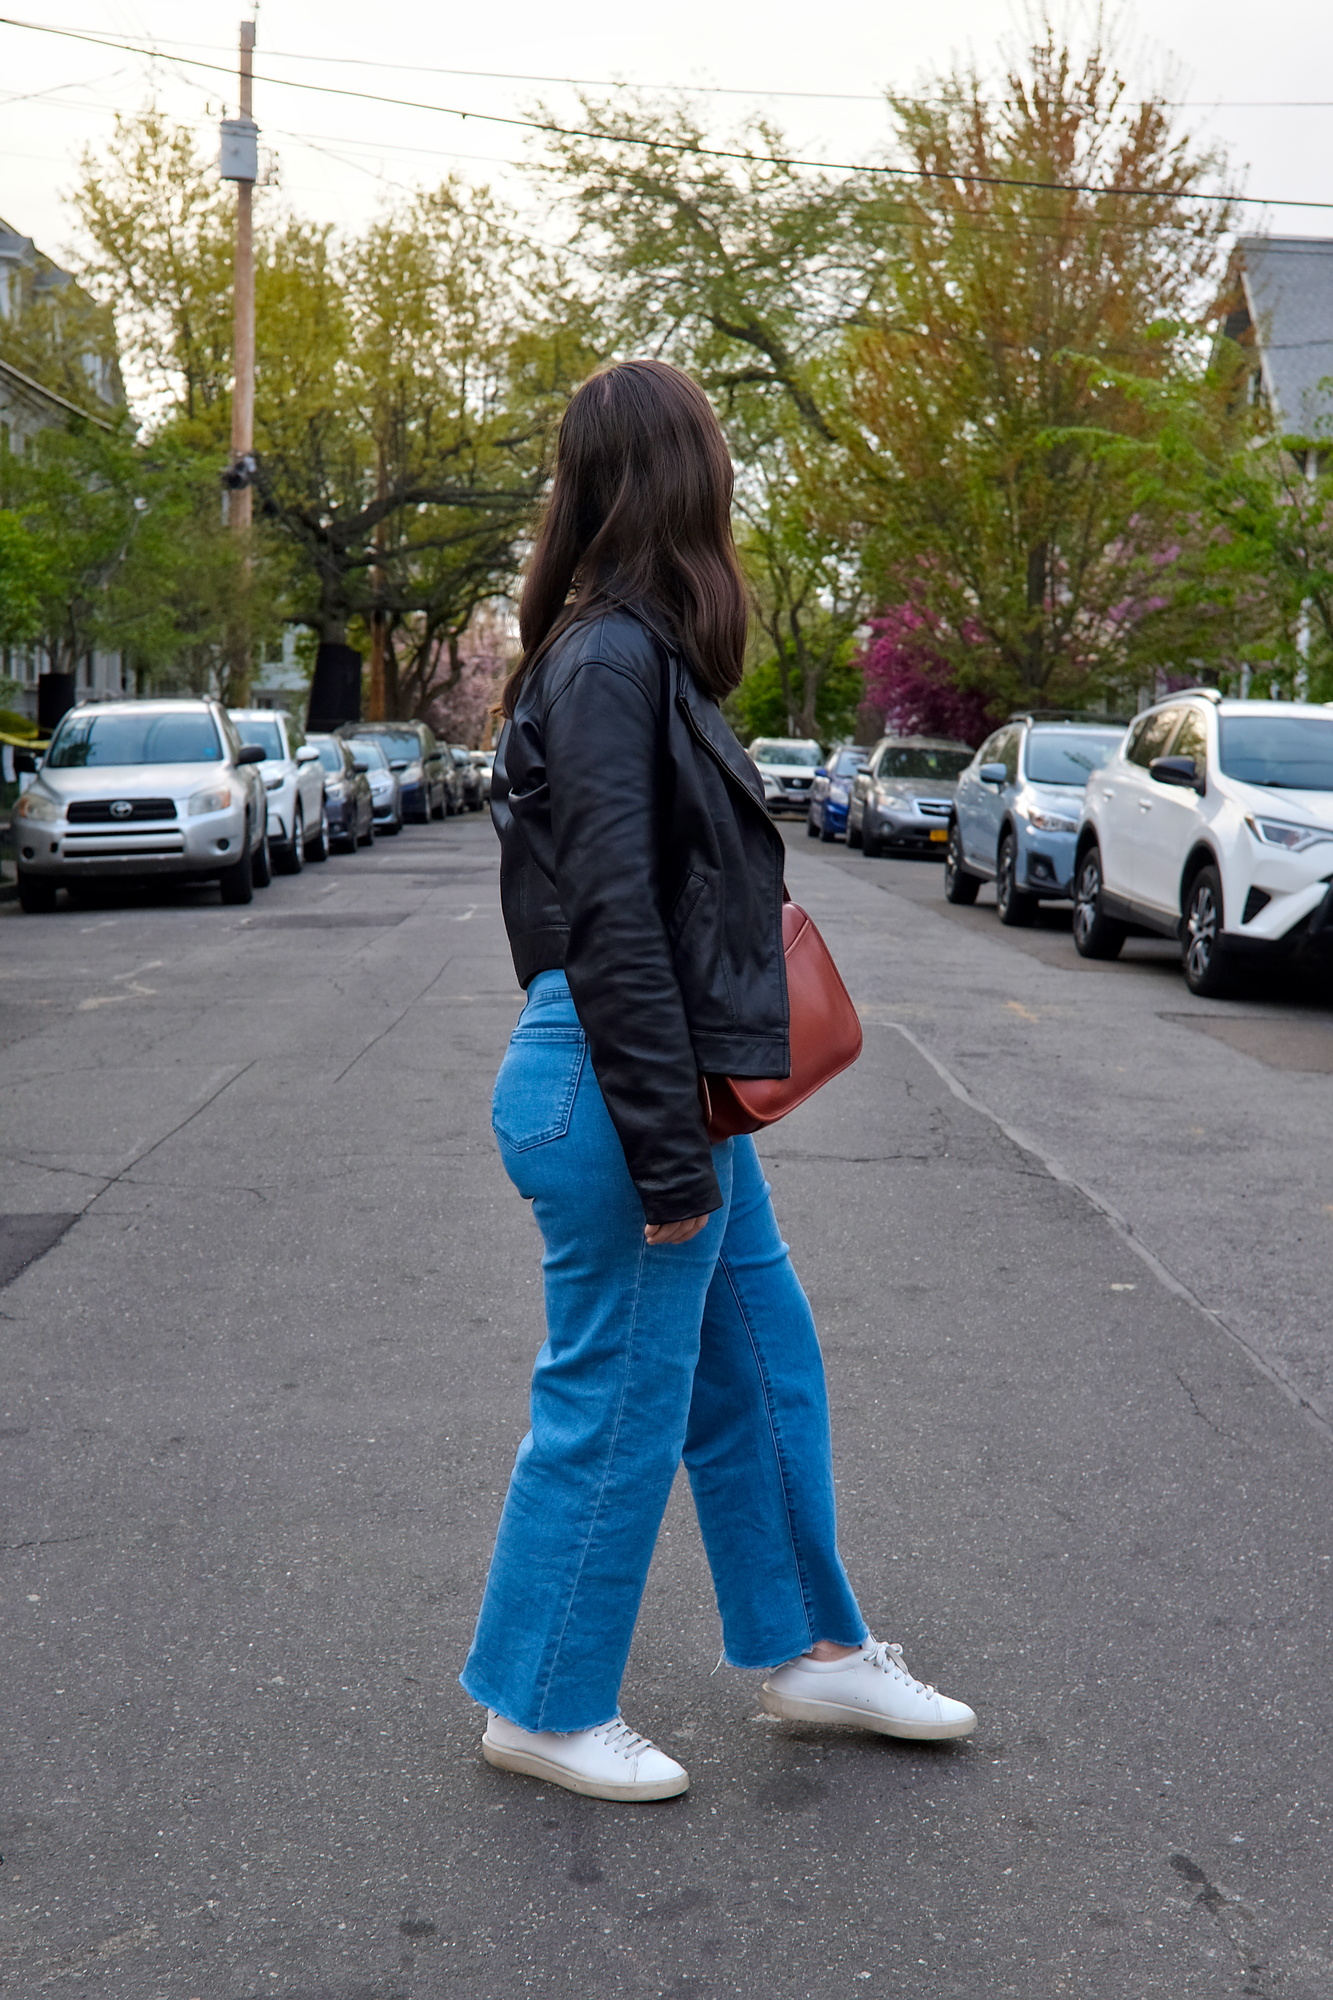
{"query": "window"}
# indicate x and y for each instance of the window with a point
(1192, 741)
(267, 733)
(1149, 738)
(85, 741)
(1068, 756)
(919, 760)
(847, 763)
(1291, 753)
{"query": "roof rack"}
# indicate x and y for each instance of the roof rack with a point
(1083, 715)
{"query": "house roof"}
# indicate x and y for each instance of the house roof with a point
(1279, 301)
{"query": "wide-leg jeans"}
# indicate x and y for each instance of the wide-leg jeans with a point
(703, 1351)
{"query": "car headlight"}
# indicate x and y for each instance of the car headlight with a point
(36, 805)
(1052, 823)
(1282, 833)
(215, 800)
(892, 799)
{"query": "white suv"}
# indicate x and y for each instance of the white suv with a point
(1212, 823)
(298, 825)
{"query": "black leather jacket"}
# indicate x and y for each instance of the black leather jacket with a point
(638, 855)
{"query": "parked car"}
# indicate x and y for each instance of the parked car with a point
(386, 796)
(790, 762)
(347, 799)
(294, 782)
(424, 766)
(469, 778)
(1017, 810)
(1212, 823)
(902, 800)
(830, 794)
(143, 788)
(485, 763)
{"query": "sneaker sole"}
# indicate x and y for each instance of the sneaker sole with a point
(788, 1709)
(529, 1765)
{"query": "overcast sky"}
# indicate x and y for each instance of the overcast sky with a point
(1243, 72)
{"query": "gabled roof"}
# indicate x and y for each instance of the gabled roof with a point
(1278, 300)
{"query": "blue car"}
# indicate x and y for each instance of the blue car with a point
(830, 794)
(1017, 809)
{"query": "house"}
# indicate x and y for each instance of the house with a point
(1277, 304)
(57, 361)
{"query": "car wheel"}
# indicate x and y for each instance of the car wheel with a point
(319, 846)
(367, 839)
(810, 826)
(437, 810)
(1015, 906)
(1203, 956)
(869, 842)
(395, 825)
(237, 883)
(36, 897)
(1095, 935)
(959, 886)
(261, 865)
(826, 832)
(853, 830)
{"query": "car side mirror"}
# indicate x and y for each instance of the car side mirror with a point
(251, 753)
(307, 754)
(398, 764)
(27, 763)
(1182, 771)
(821, 770)
(359, 767)
(994, 774)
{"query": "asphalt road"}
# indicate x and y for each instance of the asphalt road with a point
(265, 1371)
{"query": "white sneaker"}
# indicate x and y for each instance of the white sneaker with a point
(610, 1762)
(872, 1689)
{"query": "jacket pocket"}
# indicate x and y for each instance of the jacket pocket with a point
(533, 1099)
(685, 904)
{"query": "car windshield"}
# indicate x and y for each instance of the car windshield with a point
(367, 751)
(394, 744)
(1068, 756)
(459, 756)
(915, 760)
(847, 763)
(331, 757)
(802, 756)
(1292, 753)
(179, 737)
(265, 732)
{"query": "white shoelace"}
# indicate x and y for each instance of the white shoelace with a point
(889, 1659)
(620, 1738)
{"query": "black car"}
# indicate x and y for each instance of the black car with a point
(471, 784)
(347, 800)
(424, 766)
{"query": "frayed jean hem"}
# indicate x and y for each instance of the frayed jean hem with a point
(472, 1684)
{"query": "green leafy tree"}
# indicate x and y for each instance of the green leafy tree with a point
(23, 570)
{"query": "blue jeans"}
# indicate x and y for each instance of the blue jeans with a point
(704, 1351)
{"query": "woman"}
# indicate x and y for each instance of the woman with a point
(641, 879)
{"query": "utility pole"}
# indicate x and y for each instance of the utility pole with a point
(240, 163)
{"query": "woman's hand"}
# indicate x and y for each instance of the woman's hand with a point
(674, 1232)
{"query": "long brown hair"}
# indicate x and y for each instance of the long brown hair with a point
(640, 514)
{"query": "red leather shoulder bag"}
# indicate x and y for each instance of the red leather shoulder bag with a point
(825, 1032)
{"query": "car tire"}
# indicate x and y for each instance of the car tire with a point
(1203, 957)
(811, 829)
(261, 865)
(318, 849)
(395, 825)
(437, 810)
(366, 839)
(959, 886)
(853, 831)
(1095, 934)
(826, 833)
(1017, 909)
(237, 883)
(37, 898)
(869, 841)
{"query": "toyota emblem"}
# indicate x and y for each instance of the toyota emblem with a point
(121, 809)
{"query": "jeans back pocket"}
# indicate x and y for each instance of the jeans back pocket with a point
(534, 1093)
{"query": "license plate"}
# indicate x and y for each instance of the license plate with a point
(939, 833)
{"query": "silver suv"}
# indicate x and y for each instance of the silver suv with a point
(135, 788)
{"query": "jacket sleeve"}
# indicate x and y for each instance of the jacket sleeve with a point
(602, 762)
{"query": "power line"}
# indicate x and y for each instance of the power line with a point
(722, 89)
(683, 146)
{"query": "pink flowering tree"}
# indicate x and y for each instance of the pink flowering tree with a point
(912, 688)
